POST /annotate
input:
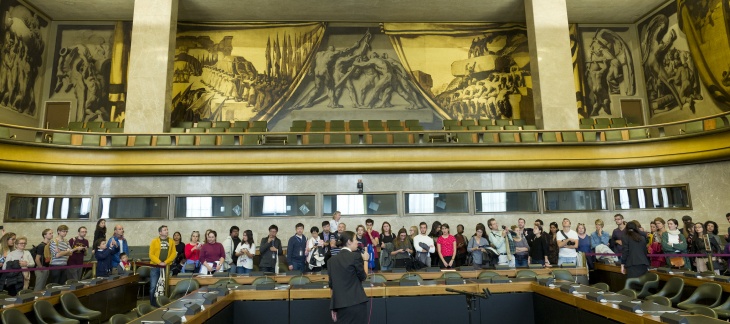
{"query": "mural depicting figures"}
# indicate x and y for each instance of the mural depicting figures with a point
(672, 81)
(81, 69)
(706, 23)
(609, 68)
(475, 71)
(22, 48)
(239, 72)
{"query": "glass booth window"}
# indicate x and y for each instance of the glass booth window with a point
(506, 201)
(48, 208)
(134, 207)
(442, 203)
(367, 204)
(670, 197)
(575, 200)
(212, 206)
(292, 205)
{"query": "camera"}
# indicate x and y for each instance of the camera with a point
(570, 243)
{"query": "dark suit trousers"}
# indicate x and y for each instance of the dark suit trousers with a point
(353, 314)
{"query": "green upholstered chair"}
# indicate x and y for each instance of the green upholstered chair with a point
(485, 122)
(661, 300)
(487, 274)
(587, 121)
(416, 128)
(257, 130)
(315, 139)
(396, 128)
(601, 126)
(694, 127)
(338, 139)
(613, 136)
(144, 309)
(216, 130)
(197, 130)
(319, 124)
(451, 275)
(512, 127)
(375, 125)
(14, 316)
(208, 140)
(116, 130)
(672, 289)
(93, 124)
(401, 138)
(177, 130)
(204, 124)
(73, 308)
(46, 314)
(299, 124)
(447, 123)
(356, 125)
(601, 285)
(584, 126)
(119, 140)
(120, 319)
(707, 294)
(526, 274)
(260, 124)
(97, 130)
(468, 122)
(163, 300)
(145, 140)
(393, 123)
(643, 285)
(627, 292)
(90, 140)
(506, 137)
(618, 122)
(562, 275)
(241, 124)
(75, 125)
(379, 138)
(248, 140)
(412, 123)
(569, 137)
(603, 121)
(184, 287)
(337, 125)
(186, 140)
(262, 281)
(549, 137)
(518, 122)
(723, 311)
(5, 133)
(638, 133)
(528, 137)
(185, 124)
(299, 280)
(236, 130)
(589, 137)
(61, 138)
(494, 127)
(704, 311)
(501, 122)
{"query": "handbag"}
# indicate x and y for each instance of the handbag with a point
(470, 255)
(677, 261)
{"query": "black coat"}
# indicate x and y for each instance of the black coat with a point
(634, 252)
(346, 273)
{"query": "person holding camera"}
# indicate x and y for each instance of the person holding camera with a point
(478, 245)
(567, 242)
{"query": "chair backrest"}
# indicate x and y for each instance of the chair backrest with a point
(70, 303)
(185, 124)
(119, 140)
(549, 137)
(378, 278)
(468, 122)
(526, 274)
(603, 121)
(91, 140)
(184, 287)
(216, 130)
(93, 124)
(299, 280)
(262, 124)
(451, 274)
(587, 121)
(562, 275)
(638, 133)
(602, 286)
(661, 300)
(144, 140)
(487, 274)
(411, 276)
(319, 123)
(144, 272)
(708, 293)
(518, 122)
(144, 308)
(162, 300)
(627, 292)
(701, 310)
(501, 122)
(672, 289)
(694, 127)
(44, 312)
(612, 136)
(241, 124)
(119, 319)
(262, 280)
(15, 316)
(71, 281)
(204, 124)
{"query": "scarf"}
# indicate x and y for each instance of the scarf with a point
(673, 232)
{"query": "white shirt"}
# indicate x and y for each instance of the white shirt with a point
(244, 260)
(333, 225)
(567, 252)
(422, 238)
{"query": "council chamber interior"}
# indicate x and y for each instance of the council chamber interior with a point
(206, 114)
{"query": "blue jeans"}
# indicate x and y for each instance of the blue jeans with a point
(562, 260)
(154, 277)
(520, 261)
(541, 261)
(242, 270)
(195, 262)
(382, 268)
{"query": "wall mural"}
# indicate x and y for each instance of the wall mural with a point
(243, 71)
(672, 81)
(576, 54)
(608, 68)
(22, 49)
(81, 70)
(474, 71)
(706, 24)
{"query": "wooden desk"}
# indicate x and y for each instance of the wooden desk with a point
(94, 297)
(210, 280)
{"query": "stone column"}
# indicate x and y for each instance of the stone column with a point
(551, 64)
(149, 85)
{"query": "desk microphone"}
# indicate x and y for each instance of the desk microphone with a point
(171, 319)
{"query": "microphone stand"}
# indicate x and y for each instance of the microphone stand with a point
(472, 304)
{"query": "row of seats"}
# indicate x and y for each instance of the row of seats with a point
(73, 312)
(355, 125)
(705, 300)
(612, 122)
(94, 124)
(482, 122)
(217, 130)
(244, 124)
(95, 130)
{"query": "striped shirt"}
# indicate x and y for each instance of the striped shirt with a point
(58, 246)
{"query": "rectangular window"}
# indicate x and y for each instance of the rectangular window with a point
(506, 201)
(48, 208)
(441, 203)
(134, 207)
(291, 205)
(212, 206)
(368, 204)
(575, 200)
(664, 197)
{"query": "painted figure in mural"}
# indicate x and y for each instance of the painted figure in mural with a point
(79, 69)
(344, 72)
(702, 11)
(324, 71)
(667, 86)
(598, 97)
(402, 84)
(609, 70)
(383, 82)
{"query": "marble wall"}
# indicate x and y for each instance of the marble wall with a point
(708, 195)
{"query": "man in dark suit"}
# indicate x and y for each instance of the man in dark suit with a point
(346, 273)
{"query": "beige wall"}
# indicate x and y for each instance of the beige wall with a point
(708, 183)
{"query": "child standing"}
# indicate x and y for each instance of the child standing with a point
(104, 257)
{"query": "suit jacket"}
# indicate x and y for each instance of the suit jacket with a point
(346, 274)
(634, 253)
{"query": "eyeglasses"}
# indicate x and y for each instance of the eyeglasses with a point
(20, 243)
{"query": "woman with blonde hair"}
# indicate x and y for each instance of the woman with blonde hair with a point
(23, 256)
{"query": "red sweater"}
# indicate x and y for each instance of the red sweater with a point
(190, 254)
